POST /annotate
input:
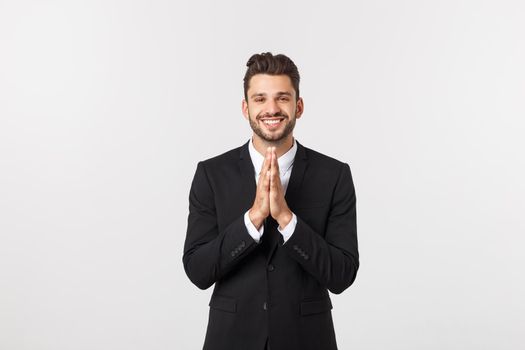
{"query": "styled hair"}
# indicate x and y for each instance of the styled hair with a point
(267, 63)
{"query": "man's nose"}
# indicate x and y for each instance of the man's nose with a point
(272, 107)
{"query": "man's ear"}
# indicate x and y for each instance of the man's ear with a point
(299, 108)
(244, 108)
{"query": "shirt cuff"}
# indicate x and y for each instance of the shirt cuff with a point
(289, 229)
(252, 230)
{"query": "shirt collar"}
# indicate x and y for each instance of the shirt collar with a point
(285, 161)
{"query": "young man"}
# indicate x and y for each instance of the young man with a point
(273, 225)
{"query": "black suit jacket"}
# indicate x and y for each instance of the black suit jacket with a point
(270, 289)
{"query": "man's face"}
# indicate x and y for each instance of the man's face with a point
(271, 107)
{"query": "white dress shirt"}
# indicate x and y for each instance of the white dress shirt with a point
(285, 169)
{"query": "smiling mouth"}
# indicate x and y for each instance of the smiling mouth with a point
(272, 123)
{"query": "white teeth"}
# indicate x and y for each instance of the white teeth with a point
(271, 121)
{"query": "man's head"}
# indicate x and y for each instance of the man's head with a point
(271, 96)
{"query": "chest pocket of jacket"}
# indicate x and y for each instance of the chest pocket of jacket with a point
(223, 303)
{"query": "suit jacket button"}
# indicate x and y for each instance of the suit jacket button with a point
(233, 254)
(271, 267)
(265, 306)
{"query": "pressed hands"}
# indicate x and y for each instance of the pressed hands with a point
(269, 197)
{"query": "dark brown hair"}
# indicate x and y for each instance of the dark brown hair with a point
(266, 63)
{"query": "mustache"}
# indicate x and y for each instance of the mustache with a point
(276, 114)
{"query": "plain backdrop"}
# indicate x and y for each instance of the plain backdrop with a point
(107, 106)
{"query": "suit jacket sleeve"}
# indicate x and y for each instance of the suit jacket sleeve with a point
(208, 253)
(332, 258)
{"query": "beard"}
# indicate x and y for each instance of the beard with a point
(272, 136)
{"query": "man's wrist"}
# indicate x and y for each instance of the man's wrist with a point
(256, 220)
(284, 219)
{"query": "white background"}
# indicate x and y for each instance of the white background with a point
(107, 106)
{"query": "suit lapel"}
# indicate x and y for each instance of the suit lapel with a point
(247, 176)
(300, 164)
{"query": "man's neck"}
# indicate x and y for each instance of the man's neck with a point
(281, 147)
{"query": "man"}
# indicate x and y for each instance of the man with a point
(273, 225)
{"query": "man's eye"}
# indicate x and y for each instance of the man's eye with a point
(259, 99)
(284, 99)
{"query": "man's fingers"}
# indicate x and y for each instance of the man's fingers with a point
(274, 159)
(264, 181)
(274, 178)
(267, 162)
(275, 162)
(265, 167)
(269, 174)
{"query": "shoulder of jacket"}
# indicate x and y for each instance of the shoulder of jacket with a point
(322, 159)
(230, 156)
